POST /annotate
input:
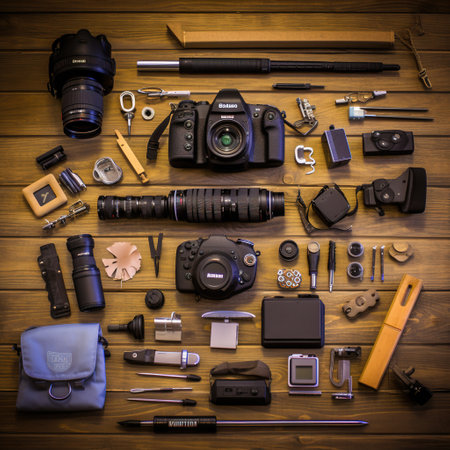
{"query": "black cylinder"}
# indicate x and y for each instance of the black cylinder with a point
(82, 108)
(198, 205)
(86, 275)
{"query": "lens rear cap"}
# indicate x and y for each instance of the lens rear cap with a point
(288, 250)
(154, 299)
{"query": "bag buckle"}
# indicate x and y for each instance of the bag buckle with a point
(54, 397)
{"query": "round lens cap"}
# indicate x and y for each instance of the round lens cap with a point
(288, 250)
(154, 299)
(215, 273)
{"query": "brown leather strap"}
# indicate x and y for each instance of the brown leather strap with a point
(251, 368)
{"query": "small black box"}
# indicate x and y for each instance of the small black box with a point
(293, 322)
(240, 392)
(335, 146)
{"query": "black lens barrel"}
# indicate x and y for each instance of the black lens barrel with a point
(198, 205)
(85, 275)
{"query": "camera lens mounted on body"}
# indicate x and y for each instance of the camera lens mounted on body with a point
(81, 72)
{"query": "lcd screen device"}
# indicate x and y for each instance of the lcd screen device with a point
(303, 371)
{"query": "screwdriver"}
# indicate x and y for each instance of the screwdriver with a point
(184, 402)
(187, 377)
(313, 254)
(209, 424)
(295, 86)
(141, 390)
(331, 263)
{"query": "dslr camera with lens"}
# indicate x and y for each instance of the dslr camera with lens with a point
(216, 267)
(388, 142)
(81, 72)
(228, 135)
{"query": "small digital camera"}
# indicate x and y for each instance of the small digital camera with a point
(388, 142)
(215, 268)
(227, 135)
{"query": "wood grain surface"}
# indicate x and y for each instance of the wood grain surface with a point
(31, 124)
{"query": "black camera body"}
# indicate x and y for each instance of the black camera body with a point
(408, 191)
(388, 142)
(215, 268)
(227, 135)
(81, 72)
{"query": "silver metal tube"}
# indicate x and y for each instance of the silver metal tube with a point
(158, 65)
(288, 423)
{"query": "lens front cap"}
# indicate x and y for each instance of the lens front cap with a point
(215, 275)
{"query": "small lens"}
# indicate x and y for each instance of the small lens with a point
(82, 108)
(85, 275)
(227, 140)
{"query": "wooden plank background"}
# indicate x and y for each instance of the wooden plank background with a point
(31, 125)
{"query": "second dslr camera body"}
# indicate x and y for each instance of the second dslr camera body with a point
(228, 135)
(215, 268)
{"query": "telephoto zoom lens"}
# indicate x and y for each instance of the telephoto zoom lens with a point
(86, 275)
(198, 205)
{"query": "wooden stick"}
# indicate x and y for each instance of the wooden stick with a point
(135, 164)
(292, 38)
(391, 330)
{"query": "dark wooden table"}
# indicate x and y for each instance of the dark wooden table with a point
(31, 124)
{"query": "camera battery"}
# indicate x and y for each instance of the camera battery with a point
(335, 145)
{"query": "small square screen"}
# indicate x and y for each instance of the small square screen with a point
(303, 372)
(44, 195)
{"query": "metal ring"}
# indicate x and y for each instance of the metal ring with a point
(148, 113)
(132, 99)
(184, 359)
(54, 397)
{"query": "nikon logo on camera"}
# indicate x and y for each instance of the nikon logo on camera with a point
(214, 275)
(228, 105)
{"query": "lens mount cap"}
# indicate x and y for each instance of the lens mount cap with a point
(154, 299)
(288, 250)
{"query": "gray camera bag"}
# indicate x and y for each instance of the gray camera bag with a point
(62, 368)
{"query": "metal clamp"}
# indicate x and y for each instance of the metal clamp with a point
(225, 334)
(168, 328)
(345, 354)
(300, 157)
(308, 118)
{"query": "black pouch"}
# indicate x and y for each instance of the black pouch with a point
(250, 391)
(293, 322)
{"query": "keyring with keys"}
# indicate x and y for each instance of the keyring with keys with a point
(128, 112)
(155, 92)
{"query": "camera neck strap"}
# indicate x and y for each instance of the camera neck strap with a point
(153, 142)
(304, 213)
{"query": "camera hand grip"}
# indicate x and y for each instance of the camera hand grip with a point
(224, 65)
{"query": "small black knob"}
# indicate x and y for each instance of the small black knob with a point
(154, 299)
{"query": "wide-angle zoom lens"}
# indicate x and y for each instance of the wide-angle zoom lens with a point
(82, 108)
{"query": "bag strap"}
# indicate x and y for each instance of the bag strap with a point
(153, 142)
